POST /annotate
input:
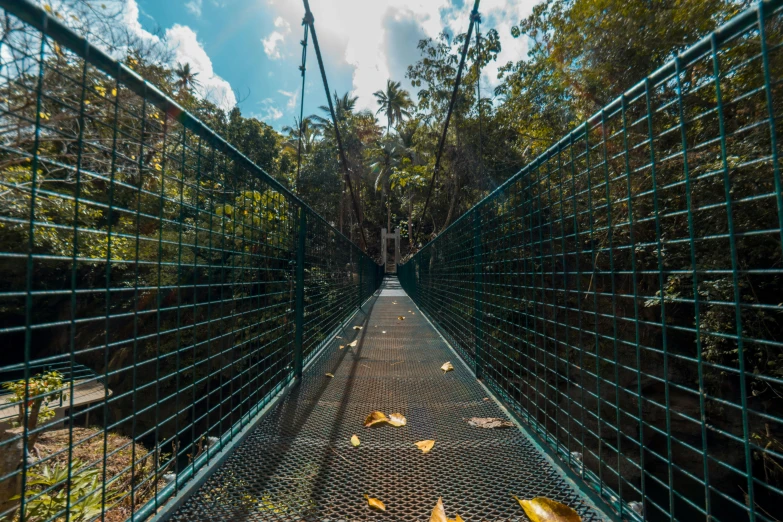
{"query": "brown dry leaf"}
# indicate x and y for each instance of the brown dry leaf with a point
(330, 375)
(447, 367)
(357, 327)
(400, 317)
(394, 302)
(439, 513)
(355, 441)
(397, 420)
(375, 503)
(542, 509)
(489, 423)
(375, 418)
(425, 446)
(353, 344)
(342, 346)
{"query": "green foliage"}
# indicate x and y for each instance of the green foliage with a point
(39, 391)
(50, 493)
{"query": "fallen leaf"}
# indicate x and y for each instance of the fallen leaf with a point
(400, 318)
(342, 346)
(329, 375)
(353, 344)
(489, 423)
(114, 92)
(447, 367)
(355, 441)
(394, 302)
(397, 420)
(425, 446)
(439, 513)
(542, 509)
(410, 312)
(383, 331)
(357, 327)
(485, 398)
(375, 503)
(375, 418)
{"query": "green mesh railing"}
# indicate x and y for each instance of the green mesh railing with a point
(623, 291)
(137, 244)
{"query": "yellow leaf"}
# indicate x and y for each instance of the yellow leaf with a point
(353, 344)
(355, 441)
(330, 375)
(158, 167)
(48, 8)
(542, 509)
(86, 102)
(397, 420)
(357, 327)
(114, 92)
(401, 318)
(425, 446)
(43, 115)
(57, 49)
(342, 346)
(375, 418)
(100, 90)
(447, 367)
(439, 512)
(375, 503)
(457, 519)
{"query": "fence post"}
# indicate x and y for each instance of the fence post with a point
(299, 315)
(477, 290)
(361, 280)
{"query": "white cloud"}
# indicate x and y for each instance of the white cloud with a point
(183, 43)
(274, 42)
(269, 111)
(187, 49)
(194, 6)
(292, 97)
(378, 38)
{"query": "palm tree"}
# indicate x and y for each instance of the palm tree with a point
(395, 102)
(186, 78)
(387, 155)
(309, 134)
(343, 109)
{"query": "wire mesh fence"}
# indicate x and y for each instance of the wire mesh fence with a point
(623, 291)
(157, 290)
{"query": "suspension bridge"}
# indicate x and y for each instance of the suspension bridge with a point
(550, 343)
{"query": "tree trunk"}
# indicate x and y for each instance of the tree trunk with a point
(410, 220)
(452, 206)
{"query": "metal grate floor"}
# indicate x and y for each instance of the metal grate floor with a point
(298, 464)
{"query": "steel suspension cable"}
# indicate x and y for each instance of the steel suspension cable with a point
(442, 141)
(310, 20)
(475, 15)
(302, 68)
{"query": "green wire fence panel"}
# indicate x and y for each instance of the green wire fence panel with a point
(623, 291)
(157, 289)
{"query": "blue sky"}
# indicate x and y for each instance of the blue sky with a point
(248, 51)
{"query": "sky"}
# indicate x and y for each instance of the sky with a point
(248, 52)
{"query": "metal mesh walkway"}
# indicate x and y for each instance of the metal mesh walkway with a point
(298, 463)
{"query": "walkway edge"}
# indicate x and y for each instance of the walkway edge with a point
(592, 498)
(171, 499)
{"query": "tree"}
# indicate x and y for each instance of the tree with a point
(186, 78)
(394, 103)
